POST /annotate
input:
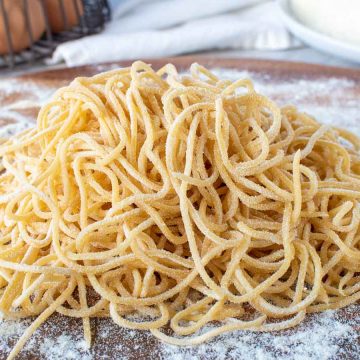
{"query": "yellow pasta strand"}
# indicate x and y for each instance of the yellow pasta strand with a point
(182, 199)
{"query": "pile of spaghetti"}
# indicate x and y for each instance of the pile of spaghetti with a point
(183, 200)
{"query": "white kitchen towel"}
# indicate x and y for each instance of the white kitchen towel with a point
(150, 29)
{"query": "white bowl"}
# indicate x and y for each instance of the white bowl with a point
(316, 39)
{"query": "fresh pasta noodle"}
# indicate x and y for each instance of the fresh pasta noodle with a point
(182, 199)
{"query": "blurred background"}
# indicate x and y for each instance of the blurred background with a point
(41, 34)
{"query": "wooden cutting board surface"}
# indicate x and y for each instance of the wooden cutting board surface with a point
(330, 94)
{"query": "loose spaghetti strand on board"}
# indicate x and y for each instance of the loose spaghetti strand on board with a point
(182, 199)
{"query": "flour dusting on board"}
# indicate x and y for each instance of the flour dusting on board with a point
(20, 102)
(326, 336)
(323, 336)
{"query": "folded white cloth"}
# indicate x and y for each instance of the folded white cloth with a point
(149, 29)
(160, 14)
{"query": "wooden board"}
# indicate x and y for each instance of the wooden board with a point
(332, 94)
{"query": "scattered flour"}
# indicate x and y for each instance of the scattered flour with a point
(326, 336)
(65, 347)
(20, 101)
(11, 86)
(321, 337)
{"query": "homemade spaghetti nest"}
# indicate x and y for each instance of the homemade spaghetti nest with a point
(182, 199)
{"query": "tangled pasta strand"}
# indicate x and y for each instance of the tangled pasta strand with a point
(182, 199)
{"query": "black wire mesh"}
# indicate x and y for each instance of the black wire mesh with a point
(91, 15)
